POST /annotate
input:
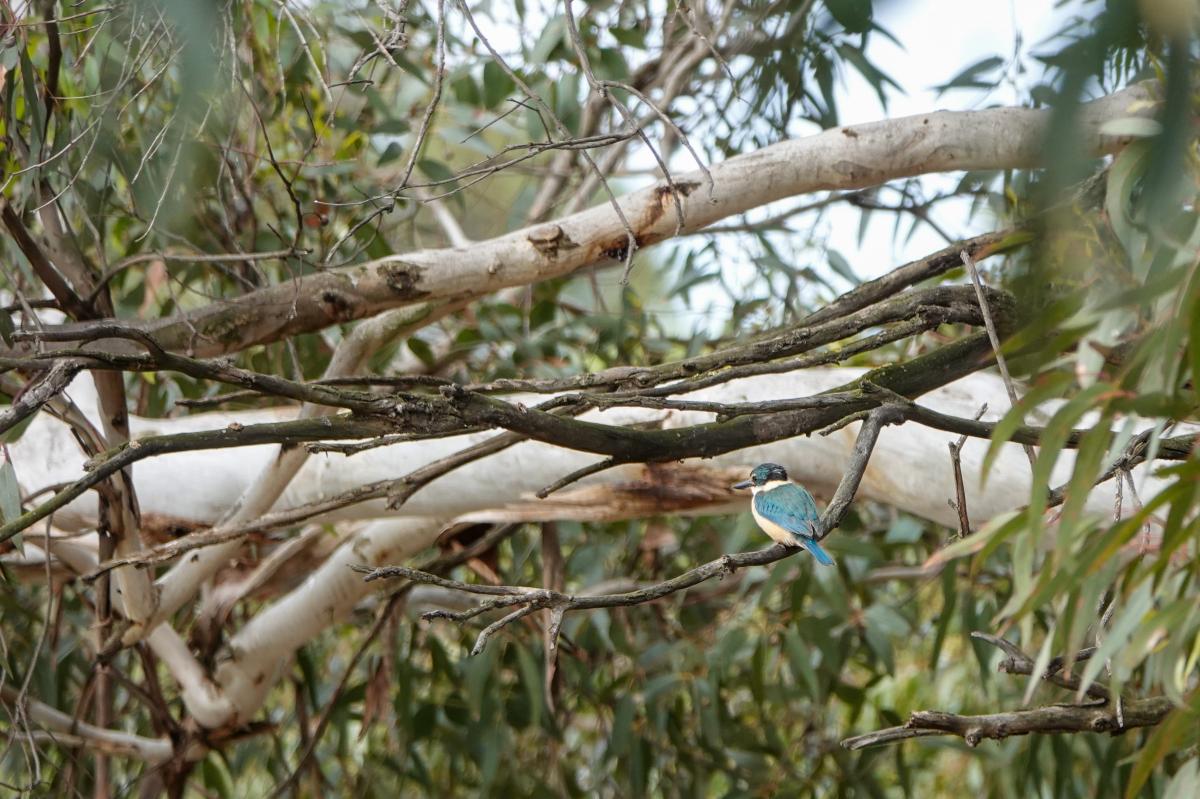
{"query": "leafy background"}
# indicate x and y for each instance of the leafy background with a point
(197, 127)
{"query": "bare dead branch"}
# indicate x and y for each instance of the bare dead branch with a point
(534, 599)
(1042, 720)
(960, 491)
(1100, 715)
(38, 392)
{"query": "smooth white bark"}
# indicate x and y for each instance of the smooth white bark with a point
(262, 648)
(852, 157)
(204, 701)
(910, 469)
(184, 579)
(152, 750)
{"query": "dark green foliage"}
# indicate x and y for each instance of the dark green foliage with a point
(213, 130)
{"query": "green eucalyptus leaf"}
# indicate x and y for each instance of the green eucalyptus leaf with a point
(853, 15)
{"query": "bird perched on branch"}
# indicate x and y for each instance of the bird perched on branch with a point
(784, 510)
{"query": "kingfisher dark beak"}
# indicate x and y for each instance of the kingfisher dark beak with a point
(743, 484)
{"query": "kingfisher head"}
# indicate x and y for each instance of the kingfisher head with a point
(762, 474)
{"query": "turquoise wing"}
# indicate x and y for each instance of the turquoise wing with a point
(791, 507)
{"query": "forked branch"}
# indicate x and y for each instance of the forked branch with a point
(1101, 714)
(526, 600)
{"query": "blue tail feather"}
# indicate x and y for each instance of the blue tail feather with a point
(812, 546)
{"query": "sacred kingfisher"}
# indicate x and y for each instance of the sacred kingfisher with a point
(784, 510)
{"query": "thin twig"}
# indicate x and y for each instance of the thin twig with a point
(1100, 715)
(439, 74)
(631, 237)
(399, 491)
(440, 564)
(602, 88)
(578, 474)
(557, 602)
(554, 575)
(960, 491)
(990, 325)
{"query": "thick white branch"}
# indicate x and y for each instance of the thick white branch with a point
(182, 582)
(204, 700)
(842, 158)
(152, 750)
(910, 469)
(265, 645)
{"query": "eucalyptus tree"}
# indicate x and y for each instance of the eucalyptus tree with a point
(378, 373)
